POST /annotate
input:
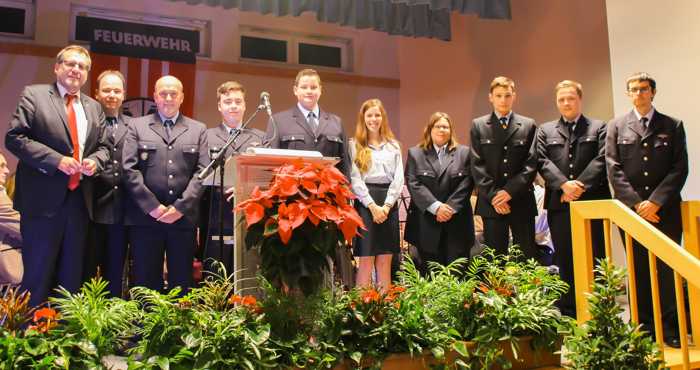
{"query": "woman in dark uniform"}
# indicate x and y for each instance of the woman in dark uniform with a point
(377, 179)
(440, 222)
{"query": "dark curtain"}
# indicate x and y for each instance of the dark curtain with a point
(415, 18)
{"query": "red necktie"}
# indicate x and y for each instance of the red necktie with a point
(74, 179)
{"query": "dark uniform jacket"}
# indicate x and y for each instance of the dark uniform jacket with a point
(109, 184)
(504, 160)
(452, 184)
(293, 132)
(39, 137)
(161, 171)
(579, 157)
(647, 164)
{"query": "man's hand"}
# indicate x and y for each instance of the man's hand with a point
(89, 167)
(444, 213)
(573, 190)
(157, 212)
(502, 198)
(69, 166)
(171, 215)
(648, 209)
(502, 209)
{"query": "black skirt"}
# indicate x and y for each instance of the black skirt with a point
(378, 238)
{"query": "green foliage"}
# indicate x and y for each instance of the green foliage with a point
(606, 342)
(209, 328)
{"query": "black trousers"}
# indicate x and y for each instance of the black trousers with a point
(443, 255)
(53, 248)
(151, 244)
(108, 253)
(560, 229)
(670, 225)
(496, 233)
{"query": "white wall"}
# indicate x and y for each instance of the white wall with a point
(663, 39)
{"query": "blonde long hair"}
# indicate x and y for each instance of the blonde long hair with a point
(363, 157)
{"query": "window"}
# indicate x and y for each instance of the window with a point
(280, 47)
(17, 18)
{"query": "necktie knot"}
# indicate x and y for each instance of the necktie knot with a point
(233, 131)
(111, 121)
(311, 119)
(645, 121)
(504, 122)
(69, 98)
(168, 123)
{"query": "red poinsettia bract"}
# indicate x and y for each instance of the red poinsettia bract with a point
(298, 192)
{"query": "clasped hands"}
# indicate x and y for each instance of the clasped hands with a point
(648, 209)
(500, 202)
(71, 166)
(379, 214)
(166, 215)
(573, 190)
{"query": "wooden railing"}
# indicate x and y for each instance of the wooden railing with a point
(684, 262)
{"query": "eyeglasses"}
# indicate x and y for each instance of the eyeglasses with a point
(639, 90)
(70, 64)
(441, 127)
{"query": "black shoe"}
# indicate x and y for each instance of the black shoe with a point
(673, 342)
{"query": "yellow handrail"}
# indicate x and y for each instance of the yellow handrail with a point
(685, 262)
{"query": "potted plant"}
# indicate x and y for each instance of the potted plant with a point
(606, 341)
(297, 223)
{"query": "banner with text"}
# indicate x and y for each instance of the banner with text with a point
(138, 40)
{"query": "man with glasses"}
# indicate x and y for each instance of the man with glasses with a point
(647, 163)
(55, 133)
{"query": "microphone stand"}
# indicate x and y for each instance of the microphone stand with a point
(217, 164)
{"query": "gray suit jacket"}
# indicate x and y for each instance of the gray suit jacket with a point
(39, 137)
(293, 132)
(161, 171)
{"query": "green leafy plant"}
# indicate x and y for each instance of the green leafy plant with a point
(606, 342)
(209, 328)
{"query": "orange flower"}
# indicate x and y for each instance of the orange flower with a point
(45, 313)
(44, 319)
(370, 295)
(249, 301)
(235, 299)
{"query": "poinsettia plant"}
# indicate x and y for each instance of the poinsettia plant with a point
(297, 223)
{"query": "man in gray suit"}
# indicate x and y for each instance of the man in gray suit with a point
(231, 104)
(109, 230)
(55, 134)
(162, 154)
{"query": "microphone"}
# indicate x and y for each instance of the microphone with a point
(265, 102)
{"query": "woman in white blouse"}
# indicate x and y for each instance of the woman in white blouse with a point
(377, 179)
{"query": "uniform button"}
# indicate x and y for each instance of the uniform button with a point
(646, 188)
(116, 161)
(192, 150)
(425, 174)
(645, 144)
(646, 158)
(505, 147)
(488, 141)
(646, 173)
(170, 192)
(571, 176)
(170, 161)
(315, 140)
(505, 160)
(116, 187)
(170, 176)
(115, 149)
(571, 155)
(170, 147)
(116, 174)
(571, 165)
(505, 174)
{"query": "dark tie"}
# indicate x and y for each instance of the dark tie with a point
(168, 127)
(504, 122)
(111, 125)
(74, 179)
(645, 122)
(311, 119)
(570, 127)
(233, 131)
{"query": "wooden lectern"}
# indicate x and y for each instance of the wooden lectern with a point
(246, 171)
